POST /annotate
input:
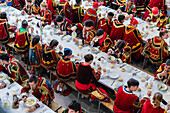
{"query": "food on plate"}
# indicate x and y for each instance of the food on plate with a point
(139, 89)
(149, 86)
(2, 77)
(49, 39)
(67, 40)
(77, 54)
(143, 79)
(161, 87)
(151, 29)
(86, 4)
(30, 101)
(150, 24)
(123, 69)
(80, 47)
(13, 14)
(120, 79)
(26, 110)
(146, 32)
(104, 70)
(94, 50)
(112, 66)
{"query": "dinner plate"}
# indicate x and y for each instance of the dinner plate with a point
(114, 75)
(128, 68)
(162, 87)
(15, 89)
(94, 50)
(31, 101)
(110, 58)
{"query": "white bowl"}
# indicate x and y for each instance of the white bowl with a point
(162, 87)
(26, 103)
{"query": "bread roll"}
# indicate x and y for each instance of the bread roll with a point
(80, 47)
(149, 86)
(123, 69)
(143, 79)
(139, 89)
(146, 32)
(151, 29)
(120, 79)
(112, 66)
(104, 70)
(77, 54)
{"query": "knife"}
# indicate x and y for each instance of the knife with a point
(122, 65)
(113, 82)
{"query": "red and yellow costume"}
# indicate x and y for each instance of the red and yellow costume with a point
(16, 71)
(47, 16)
(125, 54)
(51, 7)
(148, 108)
(106, 25)
(35, 55)
(43, 90)
(92, 15)
(117, 31)
(33, 9)
(163, 79)
(65, 27)
(81, 110)
(86, 76)
(88, 35)
(134, 38)
(156, 50)
(104, 43)
(160, 4)
(22, 41)
(4, 34)
(49, 57)
(14, 3)
(66, 69)
(140, 6)
(120, 2)
(76, 14)
(124, 102)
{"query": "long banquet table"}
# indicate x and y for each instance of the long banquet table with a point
(108, 78)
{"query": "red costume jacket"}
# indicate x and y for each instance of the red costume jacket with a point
(134, 38)
(92, 15)
(124, 101)
(4, 34)
(87, 35)
(33, 9)
(104, 43)
(156, 50)
(66, 26)
(148, 108)
(163, 79)
(49, 57)
(66, 69)
(106, 25)
(43, 91)
(17, 73)
(22, 41)
(76, 14)
(47, 16)
(117, 31)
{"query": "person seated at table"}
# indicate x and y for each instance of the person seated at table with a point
(74, 107)
(45, 13)
(87, 78)
(101, 39)
(76, 12)
(156, 16)
(62, 8)
(119, 2)
(125, 99)
(106, 23)
(3, 17)
(121, 50)
(49, 55)
(66, 70)
(163, 73)
(134, 38)
(35, 54)
(63, 23)
(22, 39)
(118, 28)
(16, 71)
(91, 14)
(88, 32)
(160, 4)
(128, 7)
(156, 48)
(30, 8)
(41, 89)
(167, 25)
(148, 107)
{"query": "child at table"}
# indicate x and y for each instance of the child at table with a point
(87, 31)
(102, 39)
(35, 54)
(125, 99)
(148, 107)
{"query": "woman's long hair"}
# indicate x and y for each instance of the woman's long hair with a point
(35, 40)
(157, 99)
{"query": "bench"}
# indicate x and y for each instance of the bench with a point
(55, 106)
(61, 110)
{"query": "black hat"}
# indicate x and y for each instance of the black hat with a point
(3, 15)
(67, 52)
(4, 56)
